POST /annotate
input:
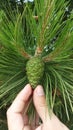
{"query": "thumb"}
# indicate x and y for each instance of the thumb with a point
(40, 103)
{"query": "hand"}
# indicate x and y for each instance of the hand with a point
(17, 114)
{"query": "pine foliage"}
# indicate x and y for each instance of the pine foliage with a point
(41, 30)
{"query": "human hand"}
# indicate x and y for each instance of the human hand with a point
(17, 115)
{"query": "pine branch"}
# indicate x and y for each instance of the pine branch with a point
(42, 31)
(60, 82)
(58, 50)
(45, 23)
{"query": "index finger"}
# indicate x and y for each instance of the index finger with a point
(20, 101)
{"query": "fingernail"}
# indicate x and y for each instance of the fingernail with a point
(40, 91)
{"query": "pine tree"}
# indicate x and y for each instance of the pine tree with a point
(37, 48)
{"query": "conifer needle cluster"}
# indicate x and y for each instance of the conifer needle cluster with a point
(39, 31)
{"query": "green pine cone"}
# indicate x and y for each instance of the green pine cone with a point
(35, 70)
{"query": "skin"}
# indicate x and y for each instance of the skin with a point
(17, 113)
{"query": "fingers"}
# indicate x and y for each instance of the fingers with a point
(16, 119)
(40, 103)
(21, 100)
(27, 128)
(39, 128)
(50, 123)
